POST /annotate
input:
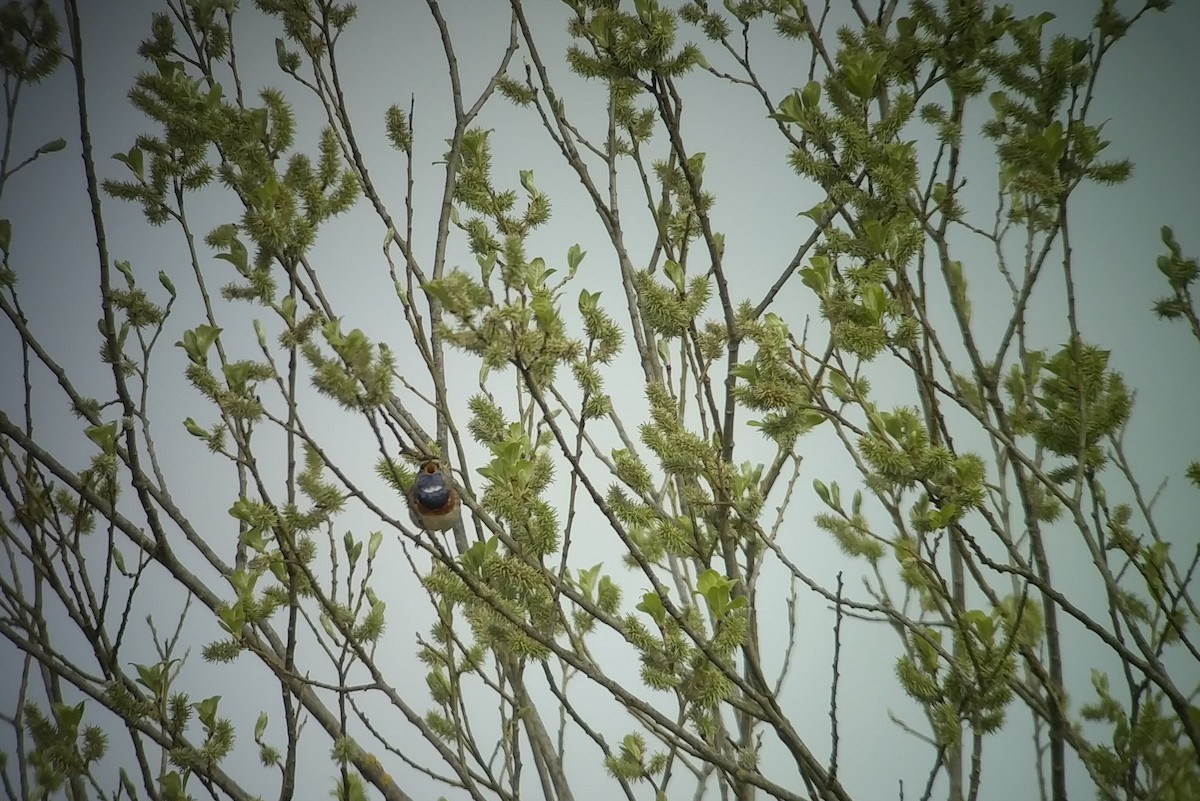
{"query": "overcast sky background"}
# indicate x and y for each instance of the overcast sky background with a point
(1147, 92)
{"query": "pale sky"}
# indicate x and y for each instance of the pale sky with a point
(1147, 92)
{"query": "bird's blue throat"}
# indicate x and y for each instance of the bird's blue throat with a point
(432, 491)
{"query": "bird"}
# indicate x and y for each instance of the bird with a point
(433, 503)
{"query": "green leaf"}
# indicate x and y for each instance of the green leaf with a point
(254, 539)
(645, 8)
(172, 787)
(53, 146)
(814, 280)
(165, 280)
(983, 623)
(652, 605)
(195, 429)
(5, 235)
(940, 193)
(487, 265)
(166, 68)
(260, 726)
(237, 256)
(818, 274)
(1192, 473)
(479, 552)
(122, 335)
(1168, 238)
(213, 98)
(811, 418)
(69, 718)
(243, 582)
(206, 710)
(839, 385)
(587, 579)
(438, 291)
(893, 425)
(875, 234)
(153, 677)
(1007, 173)
(104, 436)
(861, 73)
(575, 257)
(538, 273)
(716, 590)
(244, 510)
(633, 747)
(281, 55)
(791, 109)
(134, 160)
(599, 26)
(746, 371)
(439, 686)
(233, 618)
(817, 212)
(674, 271)
(127, 785)
(527, 181)
(236, 375)
(126, 270)
(588, 301)
(874, 300)
(1053, 142)
(810, 95)
(543, 311)
(947, 514)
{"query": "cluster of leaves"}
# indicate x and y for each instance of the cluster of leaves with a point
(1149, 756)
(1181, 273)
(627, 45)
(847, 133)
(29, 47)
(972, 684)
(848, 138)
(513, 316)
